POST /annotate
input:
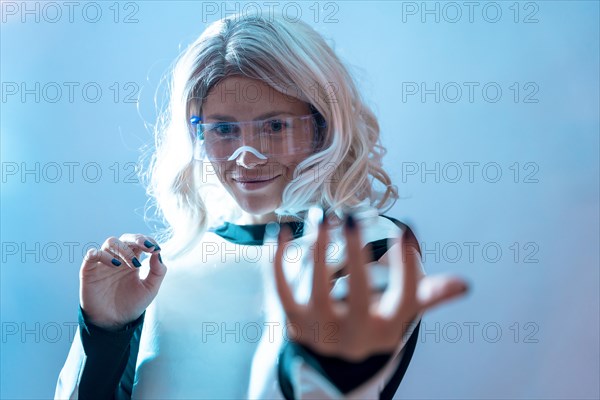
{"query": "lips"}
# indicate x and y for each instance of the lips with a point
(242, 180)
(254, 184)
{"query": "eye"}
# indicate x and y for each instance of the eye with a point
(222, 129)
(275, 125)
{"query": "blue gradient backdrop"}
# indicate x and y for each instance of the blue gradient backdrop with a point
(529, 327)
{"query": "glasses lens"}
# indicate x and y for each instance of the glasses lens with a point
(274, 137)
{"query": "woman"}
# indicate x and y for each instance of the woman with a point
(262, 300)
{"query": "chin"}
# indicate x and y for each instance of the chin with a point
(258, 210)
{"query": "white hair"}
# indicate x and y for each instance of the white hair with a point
(187, 194)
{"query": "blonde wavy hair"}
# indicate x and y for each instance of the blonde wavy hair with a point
(189, 199)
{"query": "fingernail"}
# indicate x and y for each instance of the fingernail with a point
(156, 247)
(116, 262)
(160, 258)
(323, 218)
(148, 243)
(136, 262)
(350, 223)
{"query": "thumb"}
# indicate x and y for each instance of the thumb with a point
(437, 289)
(157, 271)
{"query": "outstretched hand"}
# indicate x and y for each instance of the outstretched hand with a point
(359, 327)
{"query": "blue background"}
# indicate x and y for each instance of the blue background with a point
(547, 308)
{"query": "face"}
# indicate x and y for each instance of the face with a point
(254, 182)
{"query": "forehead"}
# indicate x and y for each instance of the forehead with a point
(245, 98)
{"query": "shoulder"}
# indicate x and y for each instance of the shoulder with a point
(404, 228)
(377, 227)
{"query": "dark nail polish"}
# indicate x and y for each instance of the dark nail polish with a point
(350, 223)
(116, 262)
(136, 262)
(160, 258)
(156, 247)
(148, 243)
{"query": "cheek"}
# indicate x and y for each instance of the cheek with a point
(290, 165)
(221, 170)
(287, 171)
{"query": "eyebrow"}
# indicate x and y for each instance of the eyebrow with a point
(269, 114)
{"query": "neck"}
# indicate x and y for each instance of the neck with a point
(255, 219)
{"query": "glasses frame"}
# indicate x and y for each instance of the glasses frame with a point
(318, 122)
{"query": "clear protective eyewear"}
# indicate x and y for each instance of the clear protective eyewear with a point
(273, 137)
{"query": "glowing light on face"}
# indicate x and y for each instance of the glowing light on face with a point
(246, 148)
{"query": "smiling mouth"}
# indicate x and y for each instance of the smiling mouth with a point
(256, 184)
(254, 180)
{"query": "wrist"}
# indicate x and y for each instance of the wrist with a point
(107, 326)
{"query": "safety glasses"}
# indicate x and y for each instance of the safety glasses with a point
(273, 137)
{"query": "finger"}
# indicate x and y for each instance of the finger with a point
(95, 256)
(358, 292)
(157, 272)
(392, 293)
(410, 266)
(122, 252)
(320, 284)
(283, 290)
(437, 289)
(142, 243)
(405, 263)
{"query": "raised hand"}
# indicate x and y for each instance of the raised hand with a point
(359, 327)
(111, 292)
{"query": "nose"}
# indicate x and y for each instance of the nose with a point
(248, 160)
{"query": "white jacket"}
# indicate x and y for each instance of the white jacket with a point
(216, 330)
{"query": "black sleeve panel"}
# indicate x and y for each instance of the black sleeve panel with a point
(110, 359)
